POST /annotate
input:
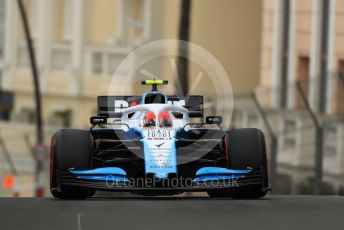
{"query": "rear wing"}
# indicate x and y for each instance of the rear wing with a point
(112, 106)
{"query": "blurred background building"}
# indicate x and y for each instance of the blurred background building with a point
(303, 41)
(264, 45)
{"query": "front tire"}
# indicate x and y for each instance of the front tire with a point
(246, 148)
(70, 148)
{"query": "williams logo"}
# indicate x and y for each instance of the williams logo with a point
(159, 145)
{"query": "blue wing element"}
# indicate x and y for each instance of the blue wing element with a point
(216, 173)
(217, 178)
(218, 170)
(101, 171)
(109, 178)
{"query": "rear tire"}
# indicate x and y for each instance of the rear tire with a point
(246, 149)
(70, 148)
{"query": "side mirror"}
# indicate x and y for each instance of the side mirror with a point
(98, 120)
(217, 120)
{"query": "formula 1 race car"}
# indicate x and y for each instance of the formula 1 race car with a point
(147, 145)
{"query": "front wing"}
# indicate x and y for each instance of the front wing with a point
(231, 179)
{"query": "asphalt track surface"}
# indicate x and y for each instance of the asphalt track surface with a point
(273, 212)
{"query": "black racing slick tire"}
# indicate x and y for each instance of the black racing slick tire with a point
(70, 148)
(246, 148)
